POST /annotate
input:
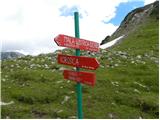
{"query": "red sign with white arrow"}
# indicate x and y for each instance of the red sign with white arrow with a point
(82, 77)
(76, 43)
(78, 61)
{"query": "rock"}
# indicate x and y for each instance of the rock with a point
(112, 66)
(66, 98)
(46, 66)
(146, 55)
(72, 117)
(156, 61)
(143, 62)
(12, 65)
(101, 66)
(111, 115)
(32, 59)
(3, 103)
(132, 62)
(62, 68)
(139, 56)
(140, 84)
(121, 53)
(74, 68)
(113, 103)
(116, 65)
(109, 58)
(137, 91)
(59, 111)
(7, 117)
(72, 92)
(124, 57)
(68, 81)
(107, 66)
(115, 83)
(59, 82)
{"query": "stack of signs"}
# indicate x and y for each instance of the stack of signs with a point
(78, 61)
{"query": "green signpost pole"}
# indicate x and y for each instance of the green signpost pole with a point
(79, 86)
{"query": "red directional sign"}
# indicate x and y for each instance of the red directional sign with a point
(78, 61)
(76, 43)
(82, 77)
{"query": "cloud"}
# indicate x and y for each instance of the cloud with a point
(30, 26)
(148, 1)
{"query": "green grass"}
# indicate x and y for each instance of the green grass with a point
(129, 90)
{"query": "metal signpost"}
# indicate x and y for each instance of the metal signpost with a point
(78, 61)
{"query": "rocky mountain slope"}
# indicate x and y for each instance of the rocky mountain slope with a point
(127, 82)
(10, 55)
(134, 19)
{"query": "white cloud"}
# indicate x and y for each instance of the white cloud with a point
(30, 26)
(148, 1)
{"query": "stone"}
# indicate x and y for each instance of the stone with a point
(116, 65)
(3, 103)
(110, 58)
(156, 61)
(124, 57)
(146, 55)
(137, 91)
(72, 92)
(133, 62)
(46, 66)
(101, 66)
(59, 81)
(140, 84)
(62, 68)
(12, 65)
(72, 117)
(139, 56)
(74, 68)
(111, 115)
(66, 98)
(59, 111)
(115, 83)
(143, 62)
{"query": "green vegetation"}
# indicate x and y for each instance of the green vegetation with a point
(126, 85)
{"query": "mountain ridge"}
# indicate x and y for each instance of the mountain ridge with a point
(10, 55)
(133, 19)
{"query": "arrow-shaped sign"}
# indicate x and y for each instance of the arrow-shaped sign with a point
(82, 77)
(78, 61)
(76, 43)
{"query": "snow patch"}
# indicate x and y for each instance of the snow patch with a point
(111, 43)
(3, 103)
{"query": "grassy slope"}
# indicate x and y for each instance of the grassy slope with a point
(129, 90)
